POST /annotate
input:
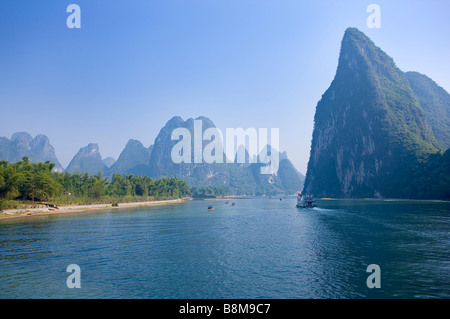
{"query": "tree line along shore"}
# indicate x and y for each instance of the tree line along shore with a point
(31, 185)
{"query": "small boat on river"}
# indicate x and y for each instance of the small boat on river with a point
(306, 201)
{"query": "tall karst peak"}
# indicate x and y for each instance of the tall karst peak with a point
(87, 160)
(367, 127)
(91, 150)
(134, 159)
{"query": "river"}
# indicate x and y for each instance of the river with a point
(261, 248)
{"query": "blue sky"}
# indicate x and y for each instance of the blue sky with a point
(243, 63)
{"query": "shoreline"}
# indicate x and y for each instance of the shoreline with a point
(32, 212)
(221, 198)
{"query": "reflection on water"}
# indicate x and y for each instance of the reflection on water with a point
(261, 248)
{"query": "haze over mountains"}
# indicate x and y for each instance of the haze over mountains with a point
(155, 161)
(375, 126)
(244, 177)
(378, 132)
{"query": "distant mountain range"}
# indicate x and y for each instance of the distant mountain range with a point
(22, 144)
(155, 161)
(245, 178)
(375, 126)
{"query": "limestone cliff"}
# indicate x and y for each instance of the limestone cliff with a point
(368, 126)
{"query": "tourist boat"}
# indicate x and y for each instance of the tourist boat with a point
(305, 201)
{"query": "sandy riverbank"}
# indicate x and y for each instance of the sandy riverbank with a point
(23, 213)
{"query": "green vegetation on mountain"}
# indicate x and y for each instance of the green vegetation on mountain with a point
(427, 179)
(435, 102)
(431, 178)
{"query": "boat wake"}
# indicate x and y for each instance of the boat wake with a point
(324, 210)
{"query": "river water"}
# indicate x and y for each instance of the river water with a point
(261, 248)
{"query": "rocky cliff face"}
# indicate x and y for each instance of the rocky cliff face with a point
(22, 144)
(368, 126)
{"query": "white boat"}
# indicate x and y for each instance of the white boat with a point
(305, 201)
